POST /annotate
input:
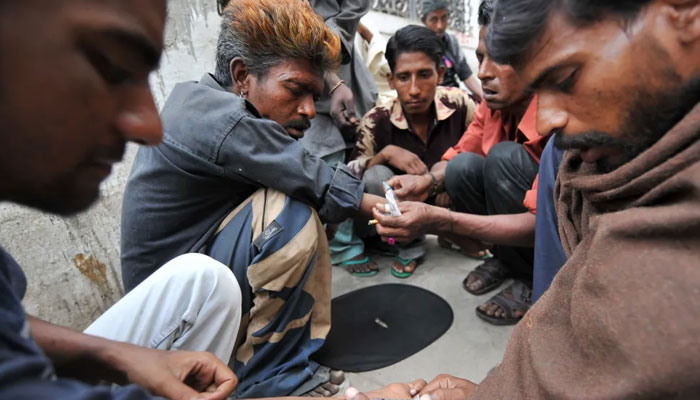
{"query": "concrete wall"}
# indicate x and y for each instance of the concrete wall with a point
(72, 264)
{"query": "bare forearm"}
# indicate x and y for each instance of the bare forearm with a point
(378, 159)
(508, 229)
(369, 201)
(77, 355)
(474, 86)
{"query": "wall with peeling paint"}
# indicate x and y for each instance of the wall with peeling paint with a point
(72, 264)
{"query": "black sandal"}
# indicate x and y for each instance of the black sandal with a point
(516, 297)
(492, 273)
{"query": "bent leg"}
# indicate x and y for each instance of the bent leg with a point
(278, 251)
(464, 182)
(192, 302)
(509, 172)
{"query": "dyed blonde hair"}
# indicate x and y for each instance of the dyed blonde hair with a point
(264, 33)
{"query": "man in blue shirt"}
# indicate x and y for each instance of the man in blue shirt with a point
(73, 90)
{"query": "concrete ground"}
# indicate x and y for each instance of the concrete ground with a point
(469, 349)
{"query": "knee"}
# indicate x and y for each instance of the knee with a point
(502, 157)
(374, 177)
(463, 168)
(205, 276)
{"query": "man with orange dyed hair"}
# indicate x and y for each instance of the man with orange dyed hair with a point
(231, 180)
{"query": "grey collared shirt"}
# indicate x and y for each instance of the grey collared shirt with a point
(216, 151)
(460, 69)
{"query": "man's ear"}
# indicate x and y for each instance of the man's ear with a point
(685, 17)
(390, 79)
(240, 75)
(441, 74)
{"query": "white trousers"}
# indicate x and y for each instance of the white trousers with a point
(191, 303)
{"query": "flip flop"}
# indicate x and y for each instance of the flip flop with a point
(405, 263)
(365, 260)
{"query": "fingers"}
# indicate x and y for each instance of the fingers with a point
(382, 218)
(339, 116)
(212, 376)
(353, 394)
(416, 386)
(225, 381)
(395, 183)
(350, 110)
(177, 390)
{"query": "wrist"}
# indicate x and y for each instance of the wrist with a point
(427, 185)
(115, 357)
(385, 155)
(433, 184)
(332, 79)
(441, 220)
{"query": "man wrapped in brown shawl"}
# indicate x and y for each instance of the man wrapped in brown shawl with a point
(622, 317)
(618, 82)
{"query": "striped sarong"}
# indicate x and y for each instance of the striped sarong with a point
(277, 249)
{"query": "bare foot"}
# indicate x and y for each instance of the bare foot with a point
(468, 247)
(330, 388)
(487, 276)
(360, 267)
(508, 306)
(397, 266)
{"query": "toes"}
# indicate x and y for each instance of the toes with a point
(410, 267)
(337, 377)
(491, 309)
(474, 283)
(331, 388)
(398, 267)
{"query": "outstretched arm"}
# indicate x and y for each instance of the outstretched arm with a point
(420, 218)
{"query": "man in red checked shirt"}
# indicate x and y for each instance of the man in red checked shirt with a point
(491, 177)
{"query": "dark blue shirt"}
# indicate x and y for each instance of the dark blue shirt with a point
(25, 372)
(549, 254)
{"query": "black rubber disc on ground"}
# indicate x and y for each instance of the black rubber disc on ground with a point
(378, 326)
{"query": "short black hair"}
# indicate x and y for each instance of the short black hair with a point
(485, 12)
(517, 23)
(414, 38)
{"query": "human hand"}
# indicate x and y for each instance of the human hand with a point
(411, 187)
(177, 375)
(404, 160)
(443, 200)
(393, 391)
(447, 387)
(342, 103)
(416, 219)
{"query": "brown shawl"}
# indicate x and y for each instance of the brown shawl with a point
(622, 318)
